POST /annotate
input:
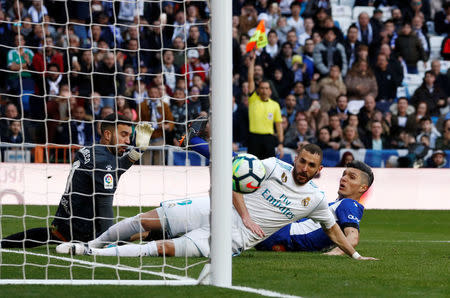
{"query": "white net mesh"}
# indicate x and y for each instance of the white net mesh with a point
(65, 66)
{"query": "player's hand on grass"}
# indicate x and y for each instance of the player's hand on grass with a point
(252, 226)
(143, 134)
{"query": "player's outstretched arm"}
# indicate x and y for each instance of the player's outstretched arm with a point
(352, 235)
(337, 236)
(239, 204)
(143, 131)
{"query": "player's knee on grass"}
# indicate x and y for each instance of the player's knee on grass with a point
(185, 247)
(150, 220)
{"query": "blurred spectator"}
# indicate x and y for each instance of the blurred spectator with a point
(295, 21)
(78, 130)
(442, 81)
(367, 112)
(367, 34)
(421, 112)
(419, 8)
(11, 113)
(55, 79)
(346, 158)
(289, 110)
(437, 160)
(107, 79)
(350, 139)
(308, 60)
(14, 133)
(313, 6)
(248, 17)
(169, 70)
(341, 109)
(316, 118)
(393, 61)
(324, 139)
(308, 27)
(293, 40)
(37, 11)
(361, 82)
(421, 32)
(299, 135)
(302, 98)
(387, 82)
(335, 128)
(133, 57)
(443, 142)
(17, 11)
(375, 140)
(198, 105)
(159, 114)
(409, 48)
(402, 120)
(81, 77)
(282, 29)
(282, 85)
(442, 19)
(272, 48)
(351, 44)
(430, 93)
(329, 53)
(353, 120)
(178, 109)
(445, 48)
(41, 61)
(284, 62)
(19, 60)
(427, 129)
(329, 88)
(193, 67)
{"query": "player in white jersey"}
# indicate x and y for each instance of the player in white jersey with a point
(285, 195)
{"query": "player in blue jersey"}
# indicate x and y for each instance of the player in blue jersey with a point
(307, 235)
(85, 209)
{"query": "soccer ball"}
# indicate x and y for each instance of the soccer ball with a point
(248, 173)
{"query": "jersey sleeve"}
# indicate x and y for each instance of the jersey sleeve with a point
(349, 214)
(277, 113)
(322, 213)
(270, 165)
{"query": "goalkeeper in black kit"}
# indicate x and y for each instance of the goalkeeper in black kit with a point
(85, 210)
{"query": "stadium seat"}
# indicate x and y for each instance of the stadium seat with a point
(435, 45)
(413, 82)
(421, 66)
(341, 11)
(348, 3)
(359, 9)
(344, 23)
(445, 66)
(386, 12)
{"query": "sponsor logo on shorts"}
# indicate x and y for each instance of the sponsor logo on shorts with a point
(108, 181)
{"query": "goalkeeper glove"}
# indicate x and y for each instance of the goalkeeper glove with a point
(143, 133)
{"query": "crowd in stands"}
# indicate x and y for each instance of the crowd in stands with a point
(341, 83)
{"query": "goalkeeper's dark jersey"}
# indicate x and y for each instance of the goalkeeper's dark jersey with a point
(85, 209)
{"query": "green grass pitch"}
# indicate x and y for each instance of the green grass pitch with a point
(413, 246)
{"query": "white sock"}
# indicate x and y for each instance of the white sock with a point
(122, 230)
(129, 250)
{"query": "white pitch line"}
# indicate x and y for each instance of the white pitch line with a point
(120, 267)
(262, 292)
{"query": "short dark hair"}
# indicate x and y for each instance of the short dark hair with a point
(313, 149)
(110, 122)
(363, 167)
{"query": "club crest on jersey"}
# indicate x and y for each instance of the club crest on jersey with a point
(284, 177)
(305, 202)
(108, 181)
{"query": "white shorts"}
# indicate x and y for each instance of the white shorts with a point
(182, 216)
(190, 218)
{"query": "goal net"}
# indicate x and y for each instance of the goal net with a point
(66, 66)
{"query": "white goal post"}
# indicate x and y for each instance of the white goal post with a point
(218, 269)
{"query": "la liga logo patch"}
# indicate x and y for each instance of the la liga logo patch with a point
(108, 181)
